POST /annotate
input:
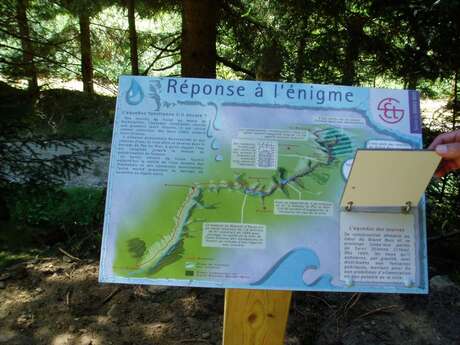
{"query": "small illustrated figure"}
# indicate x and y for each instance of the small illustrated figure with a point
(154, 93)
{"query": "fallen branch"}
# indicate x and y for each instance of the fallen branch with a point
(110, 296)
(68, 296)
(382, 309)
(351, 302)
(194, 341)
(321, 299)
(441, 237)
(68, 254)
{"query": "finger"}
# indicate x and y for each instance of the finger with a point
(445, 138)
(437, 141)
(449, 151)
(440, 139)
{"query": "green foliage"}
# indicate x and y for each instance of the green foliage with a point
(443, 204)
(87, 7)
(319, 41)
(15, 104)
(441, 88)
(70, 216)
(74, 114)
(59, 208)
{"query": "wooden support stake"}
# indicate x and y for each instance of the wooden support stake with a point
(255, 317)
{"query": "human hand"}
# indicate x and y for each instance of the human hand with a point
(447, 145)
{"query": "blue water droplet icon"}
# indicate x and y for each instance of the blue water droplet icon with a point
(209, 130)
(219, 158)
(134, 95)
(215, 145)
(217, 122)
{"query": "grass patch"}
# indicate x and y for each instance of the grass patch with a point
(8, 258)
(17, 244)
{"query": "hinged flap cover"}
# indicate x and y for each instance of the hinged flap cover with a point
(386, 178)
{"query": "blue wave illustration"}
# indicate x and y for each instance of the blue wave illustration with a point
(288, 271)
(322, 282)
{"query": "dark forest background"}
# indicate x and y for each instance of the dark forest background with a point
(60, 60)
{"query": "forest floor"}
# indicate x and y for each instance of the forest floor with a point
(58, 300)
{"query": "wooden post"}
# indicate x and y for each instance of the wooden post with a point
(258, 317)
(255, 317)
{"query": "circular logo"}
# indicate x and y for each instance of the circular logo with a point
(390, 111)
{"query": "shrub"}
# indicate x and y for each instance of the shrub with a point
(59, 208)
(71, 215)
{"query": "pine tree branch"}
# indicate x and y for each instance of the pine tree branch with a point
(166, 67)
(18, 36)
(235, 66)
(158, 57)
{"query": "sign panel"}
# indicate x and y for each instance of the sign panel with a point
(389, 178)
(237, 184)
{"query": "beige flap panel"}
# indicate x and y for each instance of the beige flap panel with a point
(380, 178)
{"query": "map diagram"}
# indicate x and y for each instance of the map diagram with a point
(233, 194)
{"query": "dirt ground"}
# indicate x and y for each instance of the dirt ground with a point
(58, 301)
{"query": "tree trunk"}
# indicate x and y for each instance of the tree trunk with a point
(348, 72)
(133, 37)
(270, 63)
(412, 83)
(300, 65)
(26, 44)
(85, 49)
(354, 26)
(198, 49)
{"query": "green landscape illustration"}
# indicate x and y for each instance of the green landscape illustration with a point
(158, 245)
